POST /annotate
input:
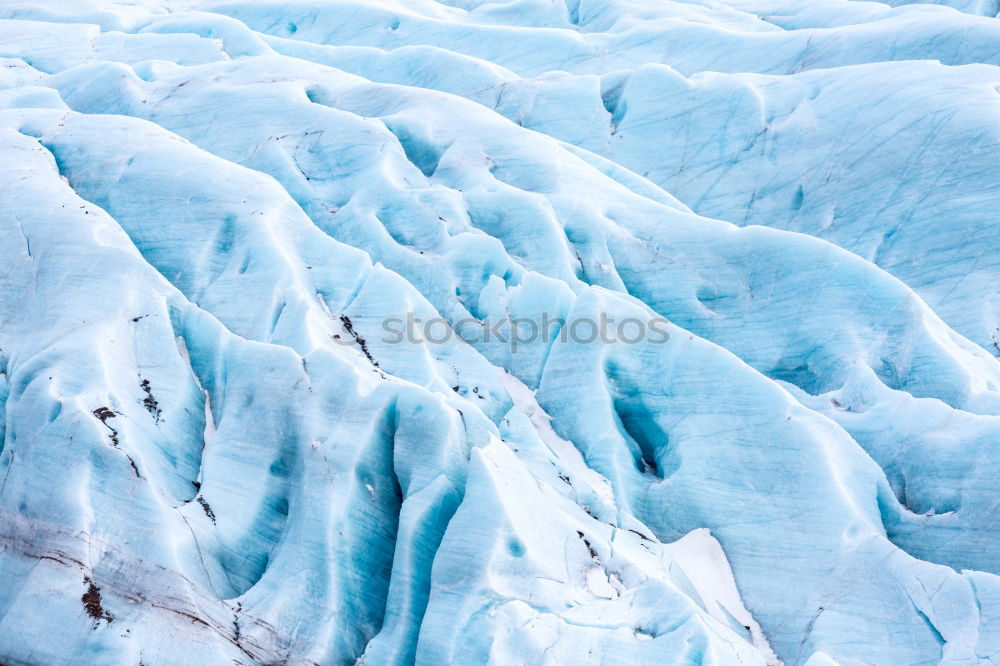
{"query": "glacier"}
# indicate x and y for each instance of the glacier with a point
(213, 453)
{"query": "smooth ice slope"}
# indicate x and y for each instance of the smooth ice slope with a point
(213, 454)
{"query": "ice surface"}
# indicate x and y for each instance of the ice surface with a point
(213, 454)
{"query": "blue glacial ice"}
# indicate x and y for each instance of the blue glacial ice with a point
(213, 453)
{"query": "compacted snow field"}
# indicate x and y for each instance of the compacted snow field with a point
(214, 451)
